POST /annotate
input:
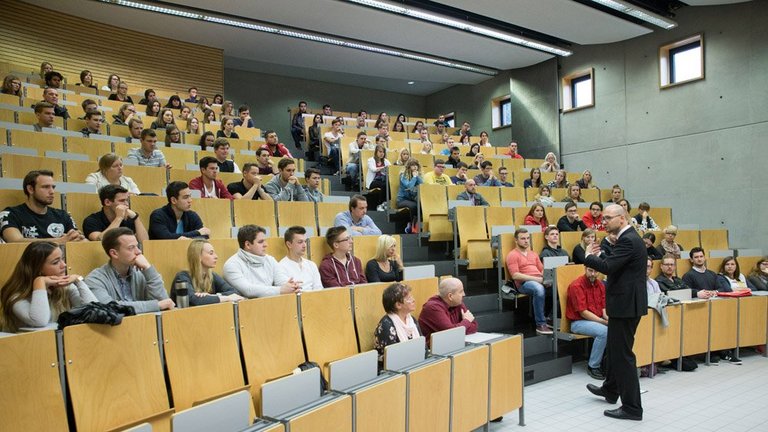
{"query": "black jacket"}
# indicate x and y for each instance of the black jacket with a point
(162, 224)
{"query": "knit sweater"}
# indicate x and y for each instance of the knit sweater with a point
(146, 287)
(253, 275)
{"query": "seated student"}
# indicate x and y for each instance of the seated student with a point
(205, 286)
(126, 112)
(461, 176)
(244, 116)
(135, 126)
(53, 79)
(667, 279)
(128, 278)
(649, 239)
(594, 217)
(376, 177)
(527, 272)
(470, 194)
(533, 180)
(45, 67)
(403, 157)
(314, 184)
(208, 183)
(386, 265)
(512, 151)
(153, 108)
(340, 268)
(668, 245)
(114, 213)
(616, 194)
(209, 116)
(252, 272)
(588, 236)
(193, 124)
(536, 216)
(297, 125)
(353, 159)
(149, 95)
(192, 95)
(651, 285)
(427, 148)
(544, 197)
(148, 154)
(45, 116)
(398, 324)
(264, 163)
(35, 219)
(51, 95)
(574, 194)
(759, 275)
(313, 143)
(332, 140)
(446, 310)
(221, 152)
(89, 105)
(477, 161)
(730, 270)
(227, 129)
(12, 86)
(550, 163)
(449, 145)
(571, 221)
(552, 246)
(455, 158)
(586, 311)
(176, 220)
(86, 79)
(174, 102)
(503, 173)
(111, 172)
(486, 177)
(164, 119)
(121, 94)
(585, 182)
(295, 264)
(356, 219)
(560, 181)
(172, 135)
(93, 121)
(39, 288)
(643, 221)
(250, 186)
(285, 185)
(410, 179)
(206, 140)
(437, 176)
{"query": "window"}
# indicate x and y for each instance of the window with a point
(501, 110)
(682, 62)
(450, 118)
(578, 90)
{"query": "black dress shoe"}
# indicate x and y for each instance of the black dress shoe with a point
(620, 414)
(598, 391)
(497, 419)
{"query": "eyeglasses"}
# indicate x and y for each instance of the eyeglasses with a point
(606, 218)
(344, 240)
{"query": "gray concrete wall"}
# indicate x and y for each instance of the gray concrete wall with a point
(271, 96)
(700, 148)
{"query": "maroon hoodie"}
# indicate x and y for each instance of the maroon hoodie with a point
(335, 274)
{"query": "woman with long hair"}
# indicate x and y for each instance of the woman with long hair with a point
(172, 135)
(227, 129)
(218, 99)
(560, 181)
(398, 127)
(121, 94)
(534, 179)
(314, 133)
(730, 270)
(205, 286)
(383, 118)
(550, 163)
(174, 102)
(193, 126)
(126, 112)
(537, 216)
(111, 172)
(418, 126)
(376, 178)
(410, 179)
(209, 116)
(403, 157)
(11, 85)
(386, 265)
(474, 150)
(112, 83)
(585, 182)
(227, 109)
(426, 148)
(759, 275)
(588, 236)
(153, 108)
(484, 139)
(544, 197)
(45, 67)
(164, 119)
(206, 140)
(39, 289)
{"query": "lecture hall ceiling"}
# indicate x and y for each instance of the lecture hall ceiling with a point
(564, 23)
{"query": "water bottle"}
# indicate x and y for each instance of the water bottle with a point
(182, 295)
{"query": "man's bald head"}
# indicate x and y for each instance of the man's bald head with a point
(617, 210)
(615, 218)
(448, 286)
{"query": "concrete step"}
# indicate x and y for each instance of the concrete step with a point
(494, 321)
(542, 367)
(482, 303)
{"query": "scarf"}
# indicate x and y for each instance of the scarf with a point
(673, 248)
(405, 330)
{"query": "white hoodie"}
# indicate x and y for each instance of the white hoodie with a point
(254, 276)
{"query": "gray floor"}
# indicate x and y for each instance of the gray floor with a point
(712, 398)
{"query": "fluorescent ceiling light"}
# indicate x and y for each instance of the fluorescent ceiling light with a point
(638, 13)
(306, 35)
(464, 26)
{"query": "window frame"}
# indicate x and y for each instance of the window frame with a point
(667, 61)
(568, 88)
(497, 112)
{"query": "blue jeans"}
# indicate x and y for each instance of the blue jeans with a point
(599, 332)
(353, 170)
(535, 290)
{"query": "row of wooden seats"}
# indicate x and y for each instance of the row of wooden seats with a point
(695, 327)
(114, 375)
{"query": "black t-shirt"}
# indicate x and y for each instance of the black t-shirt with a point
(226, 166)
(54, 223)
(98, 222)
(239, 187)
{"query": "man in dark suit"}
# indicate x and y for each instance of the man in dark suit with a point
(626, 301)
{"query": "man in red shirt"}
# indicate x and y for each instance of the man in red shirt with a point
(512, 152)
(527, 272)
(586, 311)
(208, 184)
(276, 148)
(446, 310)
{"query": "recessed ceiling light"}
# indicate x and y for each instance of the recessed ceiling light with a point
(639, 13)
(411, 82)
(464, 26)
(302, 34)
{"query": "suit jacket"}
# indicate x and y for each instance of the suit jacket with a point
(625, 292)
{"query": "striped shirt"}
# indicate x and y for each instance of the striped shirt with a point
(156, 159)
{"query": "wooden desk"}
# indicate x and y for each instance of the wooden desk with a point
(644, 339)
(753, 317)
(334, 416)
(695, 327)
(506, 382)
(429, 397)
(469, 401)
(370, 412)
(723, 324)
(666, 340)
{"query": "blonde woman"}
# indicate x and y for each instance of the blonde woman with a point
(588, 236)
(39, 289)
(550, 163)
(111, 172)
(403, 157)
(426, 148)
(668, 244)
(585, 182)
(560, 181)
(227, 109)
(193, 126)
(206, 287)
(386, 265)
